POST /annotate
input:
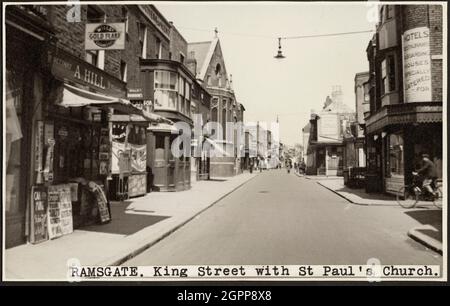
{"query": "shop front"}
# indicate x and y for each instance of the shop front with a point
(129, 158)
(24, 91)
(328, 159)
(72, 147)
(396, 139)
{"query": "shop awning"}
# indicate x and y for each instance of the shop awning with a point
(404, 113)
(77, 97)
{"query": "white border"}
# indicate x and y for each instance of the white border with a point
(444, 99)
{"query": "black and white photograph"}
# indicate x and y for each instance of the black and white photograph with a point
(168, 141)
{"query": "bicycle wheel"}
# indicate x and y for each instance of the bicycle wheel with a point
(406, 197)
(437, 201)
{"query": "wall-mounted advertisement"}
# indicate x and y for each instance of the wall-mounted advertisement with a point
(138, 157)
(417, 65)
(105, 36)
(120, 159)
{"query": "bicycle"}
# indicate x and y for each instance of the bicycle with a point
(408, 196)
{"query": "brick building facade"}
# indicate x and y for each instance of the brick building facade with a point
(68, 108)
(405, 120)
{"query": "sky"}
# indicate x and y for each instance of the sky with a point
(291, 87)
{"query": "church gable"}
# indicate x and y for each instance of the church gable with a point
(216, 73)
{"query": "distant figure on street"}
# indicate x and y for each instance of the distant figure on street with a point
(302, 167)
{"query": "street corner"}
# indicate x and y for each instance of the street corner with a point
(429, 232)
(426, 235)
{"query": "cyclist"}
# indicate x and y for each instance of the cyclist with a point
(428, 174)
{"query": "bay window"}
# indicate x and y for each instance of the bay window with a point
(165, 85)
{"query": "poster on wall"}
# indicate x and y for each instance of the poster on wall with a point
(329, 127)
(120, 159)
(38, 218)
(416, 65)
(138, 157)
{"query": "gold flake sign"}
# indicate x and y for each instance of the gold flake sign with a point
(105, 36)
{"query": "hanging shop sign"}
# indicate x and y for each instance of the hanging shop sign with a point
(74, 70)
(138, 157)
(105, 36)
(38, 228)
(417, 65)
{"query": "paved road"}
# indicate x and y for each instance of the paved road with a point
(279, 218)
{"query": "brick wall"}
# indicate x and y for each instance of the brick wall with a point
(436, 24)
(71, 38)
(178, 45)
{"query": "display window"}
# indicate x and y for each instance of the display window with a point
(395, 165)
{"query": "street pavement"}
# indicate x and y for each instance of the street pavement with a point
(280, 218)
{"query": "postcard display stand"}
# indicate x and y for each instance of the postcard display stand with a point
(51, 212)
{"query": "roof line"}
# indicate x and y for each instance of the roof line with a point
(208, 57)
(200, 42)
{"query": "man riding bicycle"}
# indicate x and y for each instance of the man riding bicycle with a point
(428, 173)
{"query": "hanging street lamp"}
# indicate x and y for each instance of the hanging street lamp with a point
(280, 53)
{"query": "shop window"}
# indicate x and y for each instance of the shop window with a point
(13, 141)
(395, 153)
